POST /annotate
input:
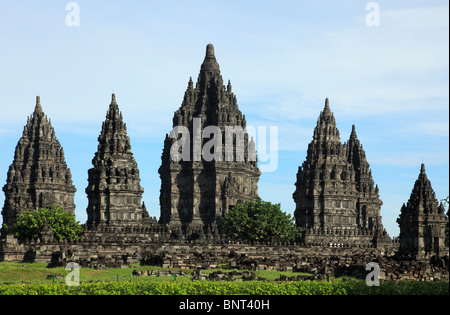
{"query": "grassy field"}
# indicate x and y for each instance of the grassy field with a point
(36, 279)
(38, 273)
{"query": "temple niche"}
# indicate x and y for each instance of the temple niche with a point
(39, 176)
(194, 189)
(114, 191)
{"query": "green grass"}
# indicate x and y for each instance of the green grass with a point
(18, 272)
(273, 275)
(37, 273)
(120, 281)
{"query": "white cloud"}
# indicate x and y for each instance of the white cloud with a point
(417, 18)
(365, 71)
(437, 129)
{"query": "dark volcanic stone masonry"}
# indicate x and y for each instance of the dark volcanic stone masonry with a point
(114, 191)
(38, 176)
(336, 198)
(196, 191)
(422, 221)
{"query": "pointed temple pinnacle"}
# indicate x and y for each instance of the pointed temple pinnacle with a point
(38, 105)
(229, 88)
(113, 99)
(210, 63)
(210, 51)
(327, 110)
(353, 134)
(422, 169)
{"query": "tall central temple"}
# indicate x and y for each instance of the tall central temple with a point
(195, 190)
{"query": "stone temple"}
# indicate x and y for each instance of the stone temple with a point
(209, 165)
(194, 190)
(114, 191)
(422, 221)
(39, 176)
(336, 198)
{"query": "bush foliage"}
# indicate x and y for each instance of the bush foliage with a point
(232, 288)
(63, 224)
(258, 220)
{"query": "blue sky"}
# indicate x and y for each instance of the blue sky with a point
(283, 59)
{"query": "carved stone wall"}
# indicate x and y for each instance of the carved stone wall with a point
(111, 247)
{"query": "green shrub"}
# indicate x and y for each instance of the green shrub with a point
(258, 220)
(232, 288)
(63, 224)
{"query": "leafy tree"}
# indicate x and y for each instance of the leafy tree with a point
(258, 220)
(62, 223)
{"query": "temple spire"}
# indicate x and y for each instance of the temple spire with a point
(210, 51)
(114, 164)
(229, 87)
(210, 63)
(422, 168)
(37, 177)
(422, 221)
(214, 103)
(327, 110)
(326, 130)
(38, 108)
(331, 174)
(353, 134)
